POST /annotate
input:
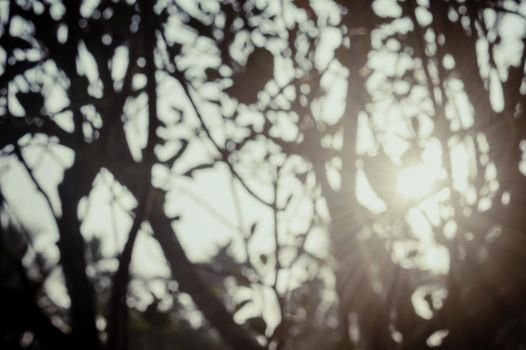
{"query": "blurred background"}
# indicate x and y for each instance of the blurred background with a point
(266, 174)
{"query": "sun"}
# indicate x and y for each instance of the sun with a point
(416, 181)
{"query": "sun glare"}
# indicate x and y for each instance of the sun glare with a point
(415, 182)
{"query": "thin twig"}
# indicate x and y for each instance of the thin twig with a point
(20, 157)
(215, 213)
(221, 151)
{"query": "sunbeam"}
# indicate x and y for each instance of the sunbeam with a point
(416, 181)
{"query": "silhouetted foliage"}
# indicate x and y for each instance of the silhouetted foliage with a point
(357, 168)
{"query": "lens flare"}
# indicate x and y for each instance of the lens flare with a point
(416, 181)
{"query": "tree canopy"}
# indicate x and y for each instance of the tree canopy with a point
(266, 174)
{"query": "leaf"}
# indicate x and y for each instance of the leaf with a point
(259, 69)
(381, 173)
(20, 43)
(32, 102)
(241, 279)
(305, 4)
(343, 55)
(174, 49)
(257, 324)
(412, 156)
(212, 74)
(302, 177)
(201, 28)
(154, 316)
(95, 249)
